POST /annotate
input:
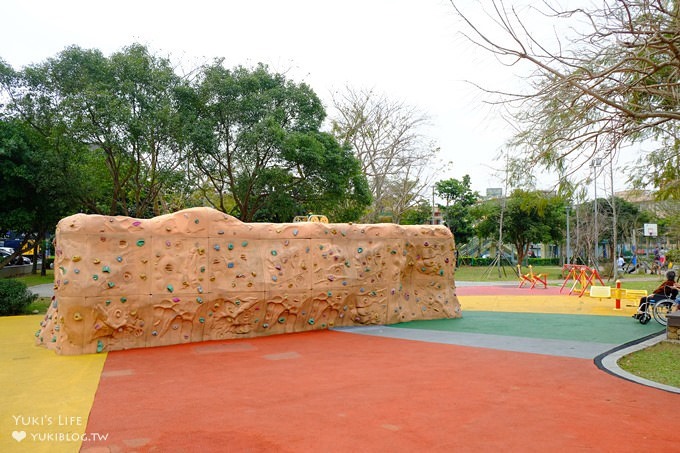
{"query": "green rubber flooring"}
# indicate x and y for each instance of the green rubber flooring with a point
(600, 329)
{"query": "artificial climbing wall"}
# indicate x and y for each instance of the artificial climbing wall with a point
(199, 275)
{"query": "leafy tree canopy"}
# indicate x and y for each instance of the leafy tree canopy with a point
(528, 217)
(259, 145)
(459, 198)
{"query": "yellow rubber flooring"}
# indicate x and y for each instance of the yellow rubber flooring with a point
(547, 304)
(46, 398)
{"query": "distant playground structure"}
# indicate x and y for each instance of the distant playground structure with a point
(583, 279)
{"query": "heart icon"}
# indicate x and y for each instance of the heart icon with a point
(19, 435)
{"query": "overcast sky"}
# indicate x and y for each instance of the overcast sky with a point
(409, 51)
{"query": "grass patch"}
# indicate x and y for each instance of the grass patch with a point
(40, 305)
(37, 279)
(658, 363)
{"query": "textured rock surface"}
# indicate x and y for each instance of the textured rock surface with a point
(199, 275)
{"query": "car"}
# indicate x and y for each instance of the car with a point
(16, 261)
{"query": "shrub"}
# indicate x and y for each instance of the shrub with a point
(14, 297)
(544, 261)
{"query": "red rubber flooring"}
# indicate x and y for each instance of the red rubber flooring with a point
(329, 391)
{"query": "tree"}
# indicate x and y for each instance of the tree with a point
(529, 217)
(459, 198)
(259, 150)
(628, 219)
(122, 107)
(385, 137)
(609, 79)
(420, 214)
(39, 184)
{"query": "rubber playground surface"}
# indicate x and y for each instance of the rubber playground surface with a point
(523, 370)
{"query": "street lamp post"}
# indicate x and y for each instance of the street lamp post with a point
(594, 164)
(433, 208)
(566, 258)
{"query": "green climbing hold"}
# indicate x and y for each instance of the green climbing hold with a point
(282, 320)
(230, 246)
(170, 288)
(201, 320)
(123, 300)
(140, 243)
(106, 269)
(311, 321)
(110, 284)
(274, 253)
(100, 346)
(244, 244)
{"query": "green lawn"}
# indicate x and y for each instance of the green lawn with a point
(37, 279)
(658, 363)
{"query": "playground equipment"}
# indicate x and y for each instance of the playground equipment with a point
(315, 218)
(617, 293)
(582, 276)
(531, 278)
(199, 274)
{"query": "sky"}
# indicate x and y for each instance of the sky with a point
(410, 51)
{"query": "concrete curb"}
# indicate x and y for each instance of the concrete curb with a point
(608, 361)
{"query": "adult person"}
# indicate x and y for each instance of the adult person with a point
(633, 264)
(620, 262)
(667, 290)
